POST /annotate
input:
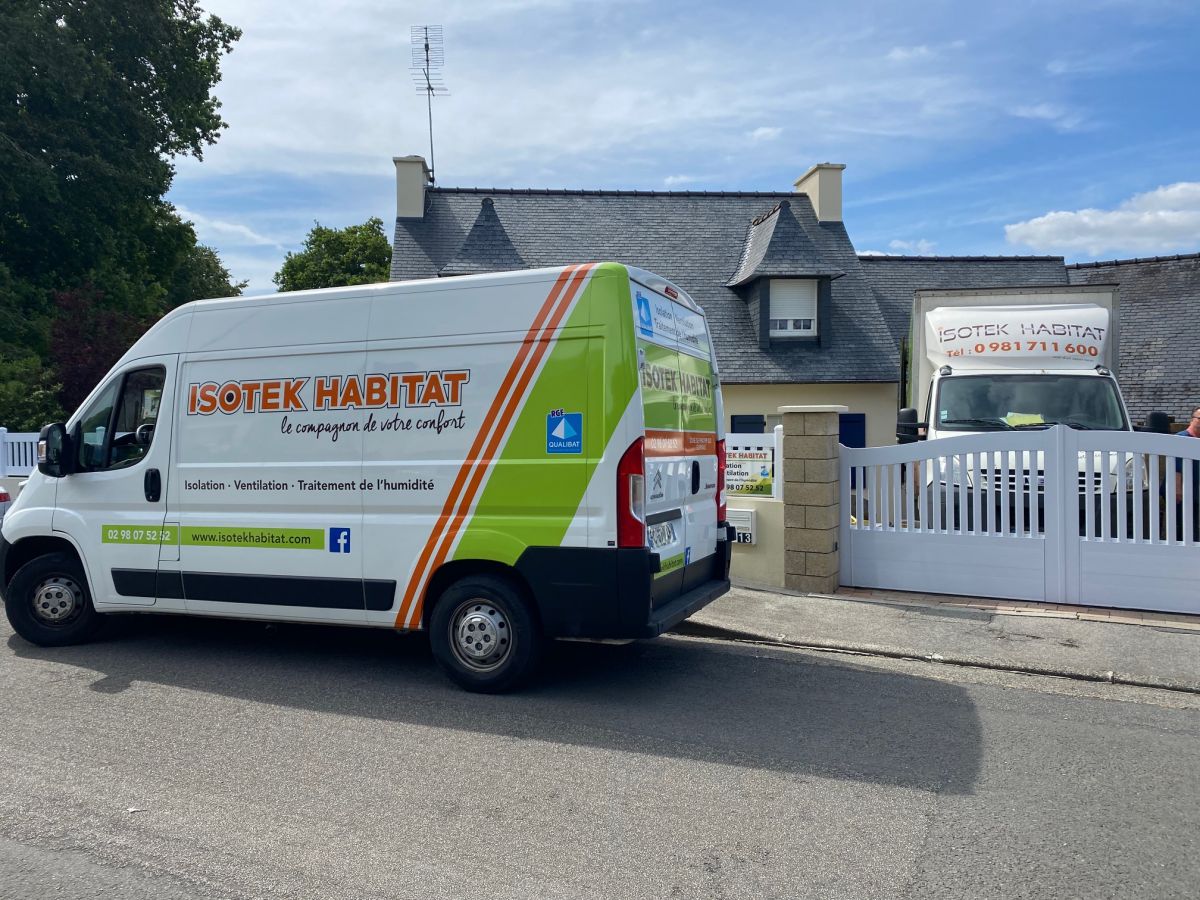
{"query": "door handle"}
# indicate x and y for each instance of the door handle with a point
(695, 476)
(153, 485)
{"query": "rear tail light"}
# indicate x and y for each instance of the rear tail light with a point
(631, 496)
(4, 498)
(721, 511)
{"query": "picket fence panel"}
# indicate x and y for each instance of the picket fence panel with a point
(1057, 514)
(18, 453)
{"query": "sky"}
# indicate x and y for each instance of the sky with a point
(1047, 128)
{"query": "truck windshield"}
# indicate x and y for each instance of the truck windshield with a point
(1001, 402)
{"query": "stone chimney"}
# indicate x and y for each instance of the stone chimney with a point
(823, 184)
(412, 175)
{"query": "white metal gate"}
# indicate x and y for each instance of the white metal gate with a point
(18, 452)
(1056, 514)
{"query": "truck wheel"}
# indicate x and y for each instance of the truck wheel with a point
(484, 635)
(48, 602)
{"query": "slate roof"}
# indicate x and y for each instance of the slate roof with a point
(696, 239)
(777, 247)
(1160, 329)
(486, 248)
(895, 278)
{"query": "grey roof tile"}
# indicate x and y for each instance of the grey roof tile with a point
(1160, 326)
(896, 278)
(696, 239)
(776, 246)
(486, 248)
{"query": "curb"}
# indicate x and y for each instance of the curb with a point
(721, 632)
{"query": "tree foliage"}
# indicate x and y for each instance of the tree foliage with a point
(334, 257)
(96, 98)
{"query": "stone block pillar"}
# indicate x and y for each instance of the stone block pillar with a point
(810, 496)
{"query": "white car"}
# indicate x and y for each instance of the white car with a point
(5, 502)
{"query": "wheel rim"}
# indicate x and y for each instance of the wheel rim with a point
(480, 635)
(57, 601)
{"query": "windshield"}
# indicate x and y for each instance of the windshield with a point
(1001, 402)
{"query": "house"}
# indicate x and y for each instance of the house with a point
(797, 316)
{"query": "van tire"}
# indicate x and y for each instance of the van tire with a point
(48, 602)
(472, 617)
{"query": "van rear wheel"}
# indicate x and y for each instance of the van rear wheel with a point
(484, 635)
(48, 602)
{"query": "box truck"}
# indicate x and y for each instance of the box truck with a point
(497, 460)
(1005, 359)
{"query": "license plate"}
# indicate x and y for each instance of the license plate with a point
(661, 535)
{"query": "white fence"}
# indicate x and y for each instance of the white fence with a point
(1054, 515)
(752, 464)
(18, 452)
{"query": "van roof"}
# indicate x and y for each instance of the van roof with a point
(175, 321)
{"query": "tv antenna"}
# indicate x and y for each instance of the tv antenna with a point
(428, 57)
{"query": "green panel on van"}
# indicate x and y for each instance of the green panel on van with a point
(532, 496)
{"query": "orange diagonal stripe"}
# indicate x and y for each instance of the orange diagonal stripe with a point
(479, 465)
(418, 574)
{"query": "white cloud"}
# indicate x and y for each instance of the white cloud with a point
(210, 230)
(627, 93)
(565, 91)
(1162, 221)
(920, 247)
(904, 54)
(1061, 118)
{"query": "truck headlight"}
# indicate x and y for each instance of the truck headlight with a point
(953, 473)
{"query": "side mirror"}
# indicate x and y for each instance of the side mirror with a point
(54, 451)
(908, 429)
(1158, 422)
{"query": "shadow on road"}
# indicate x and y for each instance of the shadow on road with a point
(715, 703)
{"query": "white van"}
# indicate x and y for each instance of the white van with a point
(495, 459)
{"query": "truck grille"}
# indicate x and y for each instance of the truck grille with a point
(1020, 481)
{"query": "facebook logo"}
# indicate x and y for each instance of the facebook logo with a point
(339, 540)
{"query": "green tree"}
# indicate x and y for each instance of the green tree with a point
(202, 276)
(28, 394)
(334, 257)
(96, 98)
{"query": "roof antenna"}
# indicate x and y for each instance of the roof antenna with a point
(428, 57)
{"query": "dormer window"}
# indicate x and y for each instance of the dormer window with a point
(793, 310)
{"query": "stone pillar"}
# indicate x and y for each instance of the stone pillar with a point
(810, 496)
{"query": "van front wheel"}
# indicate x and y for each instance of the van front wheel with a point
(484, 635)
(48, 603)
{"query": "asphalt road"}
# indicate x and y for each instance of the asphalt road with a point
(190, 759)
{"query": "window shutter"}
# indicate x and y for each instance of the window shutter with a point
(793, 307)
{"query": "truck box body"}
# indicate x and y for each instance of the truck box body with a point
(346, 455)
(1064, 330)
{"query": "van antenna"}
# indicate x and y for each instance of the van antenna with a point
(428, 57)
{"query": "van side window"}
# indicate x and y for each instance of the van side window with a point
(118, 429)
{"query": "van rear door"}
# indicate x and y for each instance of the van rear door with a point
(679, 407)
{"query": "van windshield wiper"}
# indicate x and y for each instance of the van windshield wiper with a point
(991, 422)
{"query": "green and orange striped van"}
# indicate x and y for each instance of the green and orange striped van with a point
(497, 459)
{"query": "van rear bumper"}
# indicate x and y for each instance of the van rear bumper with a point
(607, 592)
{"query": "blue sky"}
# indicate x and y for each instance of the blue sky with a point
(1046, 127)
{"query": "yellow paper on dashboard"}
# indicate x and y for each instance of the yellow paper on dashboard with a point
(1015, 419)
